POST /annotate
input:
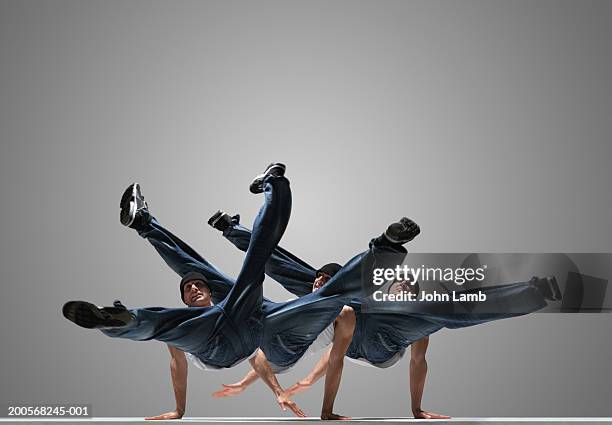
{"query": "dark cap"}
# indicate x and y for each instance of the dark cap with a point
(330, 269)
(188, 278)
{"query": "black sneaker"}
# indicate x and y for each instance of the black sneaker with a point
(274, 169)
(403, 231)
(132, 205)
(548, 287)
(90, 316)
(220, 220)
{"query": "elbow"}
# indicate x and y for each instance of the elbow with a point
(419, 362)
(336, 359)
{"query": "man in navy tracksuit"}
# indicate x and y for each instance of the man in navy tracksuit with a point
(379, 338)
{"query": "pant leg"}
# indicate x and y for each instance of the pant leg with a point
(356, 277)
(502, 302)
(183, 259)
(294, 274)
(378, 337)
(187, 329)
(245, 297)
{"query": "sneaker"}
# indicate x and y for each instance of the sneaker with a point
(274, 169)
(403, 231)
(548, 287)
(90, 316)
(220, 220)
(132, 204)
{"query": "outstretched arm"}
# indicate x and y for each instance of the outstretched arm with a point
(418, 373)
(319, 370)
(178, 371)
(343, 334)
(262, 367)
(230, 390)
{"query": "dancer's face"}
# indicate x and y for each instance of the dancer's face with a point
(320, 280)
(196, 294)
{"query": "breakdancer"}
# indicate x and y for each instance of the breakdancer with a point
(381, 337)
(220, 335)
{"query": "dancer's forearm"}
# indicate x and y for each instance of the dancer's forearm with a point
(230, 390)
(178, 371)
(343, 334)
(418, 373)
(262, 368)
(319, 370)
(332, 380)
(249, 378)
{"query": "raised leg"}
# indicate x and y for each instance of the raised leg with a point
(294, 274)
(183, 328)
(246, 296)
(183, 259)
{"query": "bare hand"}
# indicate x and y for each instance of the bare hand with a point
(165, 416)
(285, 403)
(333, 417)
(298, 387)
(229, 390)
(422, 414)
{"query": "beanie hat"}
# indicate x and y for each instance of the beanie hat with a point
(188, 278)
(330, 269)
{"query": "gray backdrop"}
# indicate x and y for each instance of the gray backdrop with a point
(487, 122)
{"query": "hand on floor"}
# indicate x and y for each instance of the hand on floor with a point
(165, 416)
(333, 417)
(422, 414)
(286, 403)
